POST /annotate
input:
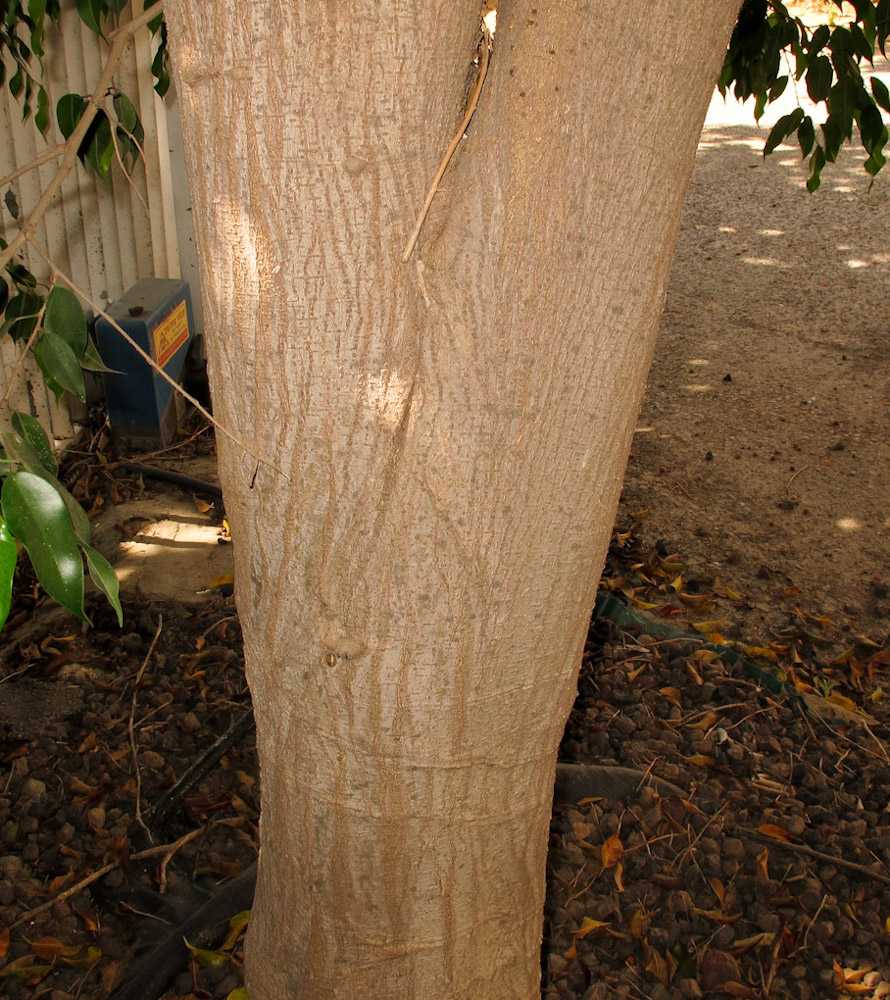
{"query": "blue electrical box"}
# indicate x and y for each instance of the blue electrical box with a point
(157, 314)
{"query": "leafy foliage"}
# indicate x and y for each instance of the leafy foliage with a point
(63, 347)
(23, 27)
(770, 47)
(37, 512)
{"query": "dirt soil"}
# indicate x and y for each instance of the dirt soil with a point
(739, 656)
(762, 449)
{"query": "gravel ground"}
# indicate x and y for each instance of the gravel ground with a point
(96, 726)
(766, 874)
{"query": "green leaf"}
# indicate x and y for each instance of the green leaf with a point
(881, 94)
(863, 8)
(806, 136)
(92, 360)
(871, 128)
(160, 65)
(782, 129)
(778, 88)
(9, 553)
(882, 22)
(56, 359)
(817, 162)
(20, 451)
(130, 132)
(116, 6)
(32, 431)
(63, 317)
(21, 315)
(17, 83)
(41, 119)
(37, 13)
(37, 516)
(833, 137)
(104, 577)
(207, 959)
(97, 148)
(875, 162)
(819, 78)
(57, 390)
(818, 40)
(842, 102)
(69, 111)
(759, 105)
(860, 44)
(23, 278)
(127, 116)
(90, 13)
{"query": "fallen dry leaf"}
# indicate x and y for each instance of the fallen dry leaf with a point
(771, 830)
(612, 851)
(717, 968)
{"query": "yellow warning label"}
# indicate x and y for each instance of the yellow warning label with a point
(171, 334)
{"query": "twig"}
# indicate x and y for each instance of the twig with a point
(131, 729)
(150, 852)
(803, 468)
(120, 160)
(679, 859)
(446, 159)
(810, 924)
(53, 153)
(170, 447)
(120, 39)
(811, 853)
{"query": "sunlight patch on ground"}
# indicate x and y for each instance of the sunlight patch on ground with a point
(848, 524)
(765, 262)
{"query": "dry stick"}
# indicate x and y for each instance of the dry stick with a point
(446, 159)
(811, 853)
(120, 39)
(803, 468)
(168, 850)
(53, 153)
(120, 161)
(131, 729)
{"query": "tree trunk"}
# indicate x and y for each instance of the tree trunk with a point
(441, 442)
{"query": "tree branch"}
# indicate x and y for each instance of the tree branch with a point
(120, 39)
(53, 153)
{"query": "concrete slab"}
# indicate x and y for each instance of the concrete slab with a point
(163, 547)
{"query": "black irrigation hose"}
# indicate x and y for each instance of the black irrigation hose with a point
(165, 476)
(149, 976)
(240, 727)
(610, 608)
